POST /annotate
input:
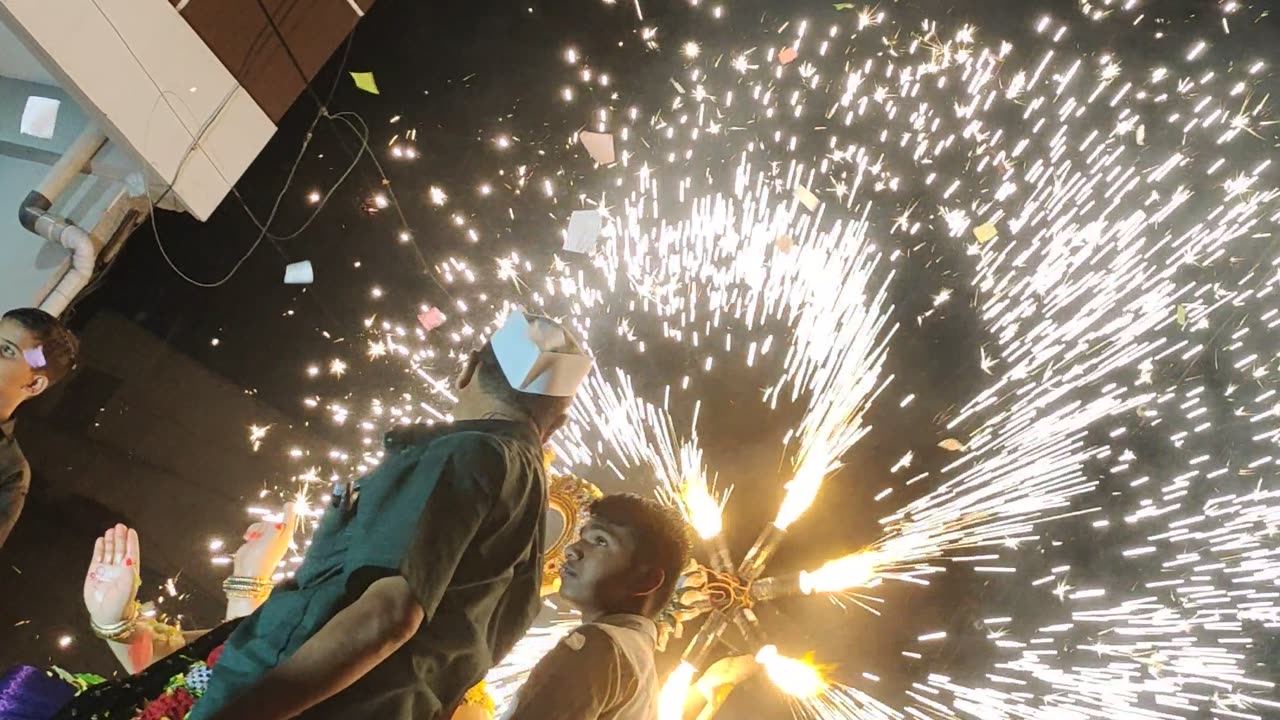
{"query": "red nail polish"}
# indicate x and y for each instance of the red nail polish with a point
(279, 526)
(128, 562)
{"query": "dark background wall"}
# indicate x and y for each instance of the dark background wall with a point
(142, 435)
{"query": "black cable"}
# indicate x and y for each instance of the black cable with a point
(322, 111)
(426, 266)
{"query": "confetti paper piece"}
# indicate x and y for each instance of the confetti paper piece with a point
(1180, 314)
(1142, 134)
(599, 146)
(984, 233)
(35, 357)
(951, 444)
(40, 117)
(784, 243)
(807, 198)
(787, 55)
(299, 273)
(431, 319)
(584, 230)
(843, 6)
(365, 81)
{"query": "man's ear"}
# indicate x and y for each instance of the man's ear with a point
(468, 372)
(649, 580)
(39, 383)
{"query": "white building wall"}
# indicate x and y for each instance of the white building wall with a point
(146, 78)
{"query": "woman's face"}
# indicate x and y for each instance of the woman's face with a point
(17, 378)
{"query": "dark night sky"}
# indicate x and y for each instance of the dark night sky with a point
(461, 73)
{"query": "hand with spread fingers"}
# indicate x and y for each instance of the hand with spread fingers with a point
(111, 584)
(717, 682)
(265, 545)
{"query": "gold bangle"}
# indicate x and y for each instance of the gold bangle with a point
(121, 632)
(249, 588)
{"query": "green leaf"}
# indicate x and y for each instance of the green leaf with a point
(365, 81)
(1181, 315)
(90, 679)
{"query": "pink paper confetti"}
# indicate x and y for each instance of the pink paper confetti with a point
(599, 146)
(431, 319)
(787, 55)
(35, 358)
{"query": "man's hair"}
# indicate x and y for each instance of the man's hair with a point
(59, 346)
(544, 410)
(662, 536)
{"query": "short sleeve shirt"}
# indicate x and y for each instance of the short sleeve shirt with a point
(15, 480)
(459, 512)
(603, 670)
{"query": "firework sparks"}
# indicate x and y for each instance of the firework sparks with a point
(796, 678)
(854, 570)
(674, 690)
(1103, 212)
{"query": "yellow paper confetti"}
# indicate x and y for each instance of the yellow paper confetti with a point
(806, 198)
(365, 81)
(984, 233)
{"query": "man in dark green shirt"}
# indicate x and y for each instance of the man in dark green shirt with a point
(423, 574)
(36, 351)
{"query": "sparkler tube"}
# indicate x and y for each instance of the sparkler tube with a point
(753, 564)
(699, 648)
(749, 625)
(772, 588)
(721, 561)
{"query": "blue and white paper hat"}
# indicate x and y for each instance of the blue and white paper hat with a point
(534, 355)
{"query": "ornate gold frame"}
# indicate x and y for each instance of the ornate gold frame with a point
(571, 497)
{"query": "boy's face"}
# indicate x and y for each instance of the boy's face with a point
(17, 379)
(598, 574)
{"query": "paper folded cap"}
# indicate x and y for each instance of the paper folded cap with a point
(539, 355)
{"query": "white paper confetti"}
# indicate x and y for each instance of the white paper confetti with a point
(584, 230)
(299, 273)
(40, 117)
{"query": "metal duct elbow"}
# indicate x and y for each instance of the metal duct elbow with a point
(34, 206)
